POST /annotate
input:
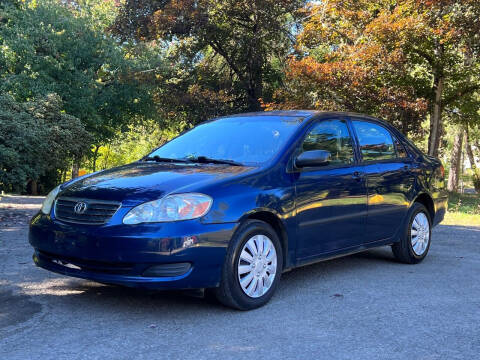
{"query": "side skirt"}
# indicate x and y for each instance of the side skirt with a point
(343, 252)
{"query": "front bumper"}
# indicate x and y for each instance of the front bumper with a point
(122, 254)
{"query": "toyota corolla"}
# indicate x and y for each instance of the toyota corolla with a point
(231, 204)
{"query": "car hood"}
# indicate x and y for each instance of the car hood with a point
(144, 181)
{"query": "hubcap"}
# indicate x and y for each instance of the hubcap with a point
(257, 266)
(420, 234)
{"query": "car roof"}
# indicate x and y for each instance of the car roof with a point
(303, 114)
(283, 113)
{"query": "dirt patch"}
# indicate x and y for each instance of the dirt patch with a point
(16, 308)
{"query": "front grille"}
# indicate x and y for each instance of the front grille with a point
(97, 212)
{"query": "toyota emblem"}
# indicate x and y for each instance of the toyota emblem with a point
(80, 207)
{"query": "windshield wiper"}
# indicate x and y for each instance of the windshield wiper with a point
(161, 159)
(207, 160)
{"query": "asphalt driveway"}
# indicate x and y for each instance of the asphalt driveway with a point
(360, 307)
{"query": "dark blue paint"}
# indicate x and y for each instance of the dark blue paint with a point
(327, 200)
(320, 212)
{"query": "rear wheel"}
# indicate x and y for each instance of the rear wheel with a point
(415, 243)
(252, 267)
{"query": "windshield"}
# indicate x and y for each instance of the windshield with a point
(246, 140)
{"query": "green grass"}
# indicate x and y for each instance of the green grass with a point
(464, 203)
(463, 209)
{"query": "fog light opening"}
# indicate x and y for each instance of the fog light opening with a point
(167, 270)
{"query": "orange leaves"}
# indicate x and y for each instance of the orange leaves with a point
(354, 65)
(365, 67)
(334, 22)
(378, 56)
(177, 17)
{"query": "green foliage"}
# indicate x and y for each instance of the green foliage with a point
(60, 54)
(36, 138)
(101, 14)
(48, 48)
(132, 145)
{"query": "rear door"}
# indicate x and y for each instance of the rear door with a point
(331, 199)
(389, 178)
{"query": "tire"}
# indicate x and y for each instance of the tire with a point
(407, 250)
(262, 285)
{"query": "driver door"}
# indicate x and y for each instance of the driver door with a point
(331, 200)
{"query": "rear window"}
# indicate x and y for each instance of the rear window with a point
(375, 141)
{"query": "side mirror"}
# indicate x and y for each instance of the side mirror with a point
(312, 158)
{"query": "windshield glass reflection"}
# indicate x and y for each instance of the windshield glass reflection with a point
(246, 140)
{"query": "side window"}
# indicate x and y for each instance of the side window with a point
(374, 140)
(331, 136)
(401, 152)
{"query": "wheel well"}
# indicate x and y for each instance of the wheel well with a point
(427, 201)
(277, 225)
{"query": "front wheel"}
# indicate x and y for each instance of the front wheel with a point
(415, 243)
(252, 267)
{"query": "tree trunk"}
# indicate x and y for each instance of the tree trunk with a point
(255, 91)
(455, 161)
(33, 187)
(253, 100)
(436, 127)
(255, 66)
(473, 165)
(75, 167)
(251, 78)
(95, 155)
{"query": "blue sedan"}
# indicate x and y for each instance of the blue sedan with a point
(231, 204)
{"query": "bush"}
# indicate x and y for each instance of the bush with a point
(36, 138)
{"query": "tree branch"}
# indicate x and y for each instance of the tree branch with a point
(218, 48)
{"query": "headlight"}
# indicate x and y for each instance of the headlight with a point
(170, 208)
(48, 202)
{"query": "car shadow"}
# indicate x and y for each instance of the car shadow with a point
(72, 294)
